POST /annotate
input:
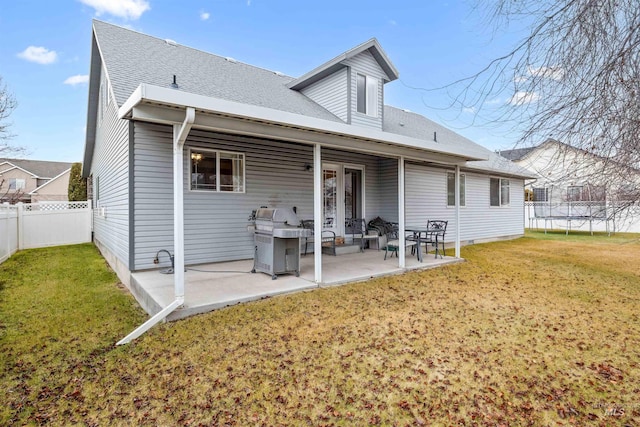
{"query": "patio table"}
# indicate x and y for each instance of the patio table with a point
(418, 231)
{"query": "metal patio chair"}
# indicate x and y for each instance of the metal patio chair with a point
(328, 238)
(435, 235)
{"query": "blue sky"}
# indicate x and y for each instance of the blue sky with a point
(44, 56)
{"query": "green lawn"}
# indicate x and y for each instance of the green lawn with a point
(544, 330)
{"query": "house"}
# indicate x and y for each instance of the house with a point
(579, 184)
(182, 145)
(32, 181)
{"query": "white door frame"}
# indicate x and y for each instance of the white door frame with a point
(339, 168)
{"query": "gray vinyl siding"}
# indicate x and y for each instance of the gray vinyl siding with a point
(216, 223)
(426, 198)
(331, 93)
(366, 64)
(389, 189)
(110, 165)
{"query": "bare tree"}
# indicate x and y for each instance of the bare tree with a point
(574, 77)
(8, 196)
(8, 103)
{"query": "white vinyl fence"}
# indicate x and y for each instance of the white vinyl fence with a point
(37, 225)
(8, 231)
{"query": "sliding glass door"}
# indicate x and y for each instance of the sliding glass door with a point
(343, 195)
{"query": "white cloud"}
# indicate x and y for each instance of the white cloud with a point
(204, 16)
(471, 110)
(393, 22)
(39, 54)
(494, 101)
(521, 98)
(127, 9)
(77, 80)
(554, 73)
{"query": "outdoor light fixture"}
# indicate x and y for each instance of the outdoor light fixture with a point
(307, 167)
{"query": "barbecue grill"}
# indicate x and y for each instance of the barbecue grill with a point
(276, 235)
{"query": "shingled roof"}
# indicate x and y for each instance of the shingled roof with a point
(133, 58)
(516, 153)
(40, 168)
(411, 124)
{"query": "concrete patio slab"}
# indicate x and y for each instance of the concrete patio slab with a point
(212, 286)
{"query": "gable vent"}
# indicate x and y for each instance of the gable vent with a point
(230, 59)
(171, 42)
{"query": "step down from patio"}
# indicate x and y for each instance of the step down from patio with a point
(347, 249)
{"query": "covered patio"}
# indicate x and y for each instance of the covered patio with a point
(213, 286)
(191, 292)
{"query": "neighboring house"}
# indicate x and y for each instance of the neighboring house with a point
(568, 174)
(33, 180)
(175, 132)
(578, 188)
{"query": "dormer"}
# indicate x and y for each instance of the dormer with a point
(351, 85)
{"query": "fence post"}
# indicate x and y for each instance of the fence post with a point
(7, 211)
(20, 220)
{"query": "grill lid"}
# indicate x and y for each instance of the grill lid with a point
(278, 216)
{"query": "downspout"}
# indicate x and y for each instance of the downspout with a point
(180, 133)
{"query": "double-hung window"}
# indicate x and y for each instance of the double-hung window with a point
(220, 171)
(17, 184)
(498, 191)
(367, 95)
(451, 188)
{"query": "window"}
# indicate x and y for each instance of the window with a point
(16, 183)
(540, 194)
(574, 193)
(217, 171)
(498, 191)
(451, 185)
(367, 95)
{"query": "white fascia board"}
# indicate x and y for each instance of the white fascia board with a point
(332, 65)
(172, 97)
(33, 175)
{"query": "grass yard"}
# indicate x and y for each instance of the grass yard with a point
(544, 330)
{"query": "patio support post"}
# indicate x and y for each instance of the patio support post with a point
(457, 205)
(401, 225)
(317, 212)
(180, 133)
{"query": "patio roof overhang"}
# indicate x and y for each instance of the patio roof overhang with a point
(164, 105)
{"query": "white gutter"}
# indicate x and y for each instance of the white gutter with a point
(180, 133)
